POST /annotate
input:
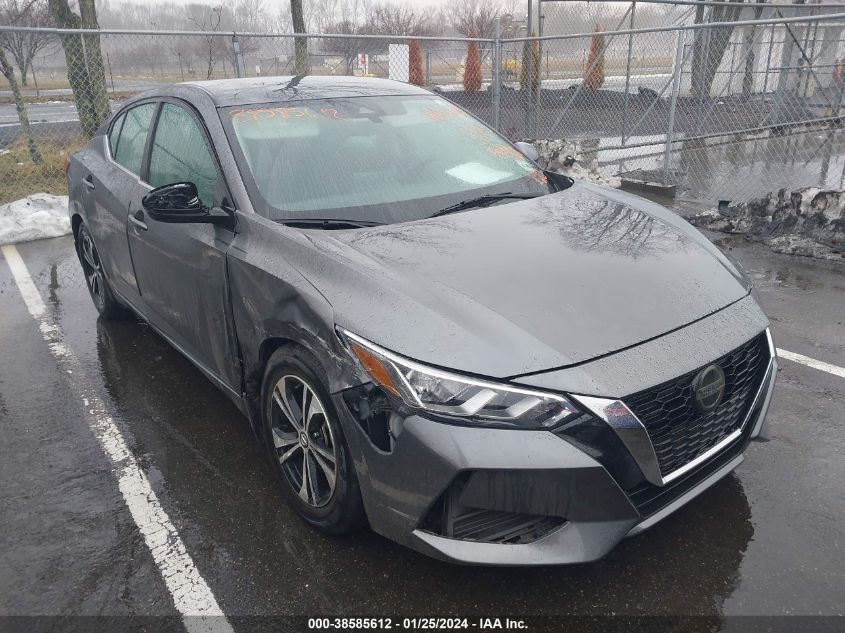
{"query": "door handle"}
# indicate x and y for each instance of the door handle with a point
(138, 220)
(88, 181)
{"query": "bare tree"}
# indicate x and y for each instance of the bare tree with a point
(348, 48)
(403, 19)
(85, 71)
(319, 14)
(709, 46)
(131, 14)
(23, 46)
(250, 16)
(300, 43)
(207, 19)
(9, 73)
(183, 53)
(359, 17)
(474, 16)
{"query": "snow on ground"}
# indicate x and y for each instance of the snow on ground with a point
(35, 217)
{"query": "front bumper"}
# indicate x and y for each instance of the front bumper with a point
(518, 473)
(399, 489)
(592, 486)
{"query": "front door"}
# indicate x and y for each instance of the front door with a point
(181, 268)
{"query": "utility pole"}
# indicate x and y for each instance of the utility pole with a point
(528, 70)
(496, 87)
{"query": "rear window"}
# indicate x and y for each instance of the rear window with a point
(115, 133)
(133, 136)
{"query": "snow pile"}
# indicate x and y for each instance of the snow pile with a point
(35, 217)
(808, 222)
(590, 172)
(567, 158)
(803, 247)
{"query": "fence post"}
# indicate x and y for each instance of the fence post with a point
(528, 61)
(540, 19)
(673, 103)
(239, 58)
(497, 74)
(628, 76)
(427, 67)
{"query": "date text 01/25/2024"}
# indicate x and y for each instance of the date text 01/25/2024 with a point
(416, 624)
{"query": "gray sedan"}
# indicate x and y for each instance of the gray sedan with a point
(428, 333)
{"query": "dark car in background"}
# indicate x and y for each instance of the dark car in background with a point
(485, 362)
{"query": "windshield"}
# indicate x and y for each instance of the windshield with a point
(374, 159)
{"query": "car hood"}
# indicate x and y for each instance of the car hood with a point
(526, 286)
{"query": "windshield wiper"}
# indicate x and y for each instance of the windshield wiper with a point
(483, 201)
(327, 223)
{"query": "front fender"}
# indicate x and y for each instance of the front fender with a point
(273, 304)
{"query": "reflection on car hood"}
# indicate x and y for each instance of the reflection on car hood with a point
(526, 286)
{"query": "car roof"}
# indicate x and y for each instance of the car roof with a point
(232, 92)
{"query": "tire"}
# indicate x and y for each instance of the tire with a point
(95, 278)
(301, 446)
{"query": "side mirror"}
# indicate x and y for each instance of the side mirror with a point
(559, 181)
(180, 203)
(529, 150)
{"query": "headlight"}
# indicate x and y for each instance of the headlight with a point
(460, 398)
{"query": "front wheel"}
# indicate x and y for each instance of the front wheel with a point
(306, 445)
(95, 279)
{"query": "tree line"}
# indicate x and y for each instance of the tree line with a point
(203, 56)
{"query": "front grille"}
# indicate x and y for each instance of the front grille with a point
(678, 431)
(648, 498)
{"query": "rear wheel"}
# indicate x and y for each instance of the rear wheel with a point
(95, 279)
(306, 445)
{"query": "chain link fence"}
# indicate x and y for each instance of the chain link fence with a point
(703, 108)
(707, 101)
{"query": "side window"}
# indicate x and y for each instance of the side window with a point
(133, 136)
(115, 132)
(180, 154)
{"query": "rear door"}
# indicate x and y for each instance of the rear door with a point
(181, 268)
(108, 187)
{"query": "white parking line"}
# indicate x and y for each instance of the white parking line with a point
(191, 595)
(812, 362)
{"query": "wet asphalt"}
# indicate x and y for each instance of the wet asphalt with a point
(767, 540)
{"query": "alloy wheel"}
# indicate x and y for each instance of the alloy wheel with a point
(93, 268)
(304, 443)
